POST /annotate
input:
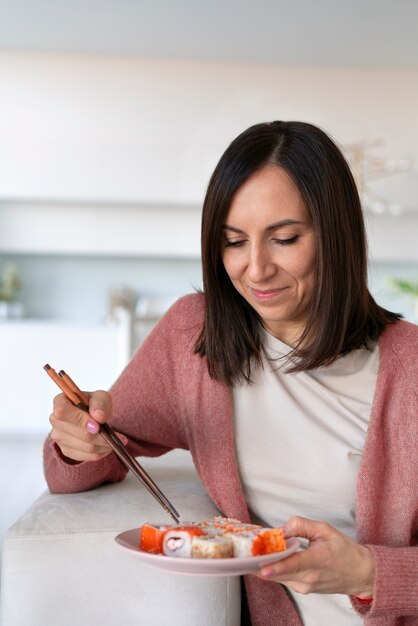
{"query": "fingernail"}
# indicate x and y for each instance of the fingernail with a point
(267, 572)
(98, 414)
(92, 427)
(287, 530)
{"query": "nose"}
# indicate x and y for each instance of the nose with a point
(260, 265)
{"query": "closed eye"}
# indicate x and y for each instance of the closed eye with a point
(287, 242)
(234, 244)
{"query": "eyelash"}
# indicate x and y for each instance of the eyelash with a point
(282, 242)
(287, 242)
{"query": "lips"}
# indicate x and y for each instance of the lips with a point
(267, 294)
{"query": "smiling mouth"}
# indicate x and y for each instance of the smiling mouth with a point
(267, 294)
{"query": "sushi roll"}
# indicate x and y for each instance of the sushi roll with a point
(210, 527)
(273, 540)
(219, 520)
(177, 542)
(243, 543)
(211, 547)
(218, 538)
(258, 542)
(242, 527)
(151, 539)
(229, 524)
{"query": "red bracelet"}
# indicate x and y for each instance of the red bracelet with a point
(364, 600)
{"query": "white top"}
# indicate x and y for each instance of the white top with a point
(299, 442)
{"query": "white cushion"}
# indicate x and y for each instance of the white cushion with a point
(61, 564)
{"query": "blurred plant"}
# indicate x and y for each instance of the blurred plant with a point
(10, 282)
(409, 287)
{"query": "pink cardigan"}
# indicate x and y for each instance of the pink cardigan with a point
(165, 399)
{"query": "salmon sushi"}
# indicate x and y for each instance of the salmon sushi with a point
(258, 542)
(177, 541)
(151, 539)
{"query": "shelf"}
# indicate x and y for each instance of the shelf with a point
(95, 229)
(114, 203)
(152, 230)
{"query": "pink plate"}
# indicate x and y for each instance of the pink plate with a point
(129, 541)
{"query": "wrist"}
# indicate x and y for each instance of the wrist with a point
(67, 460)
(365, 593)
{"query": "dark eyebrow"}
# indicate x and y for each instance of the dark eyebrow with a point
(281, 224)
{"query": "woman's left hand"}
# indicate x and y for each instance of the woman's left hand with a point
(332, 563)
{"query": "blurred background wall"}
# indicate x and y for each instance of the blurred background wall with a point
(105, 161)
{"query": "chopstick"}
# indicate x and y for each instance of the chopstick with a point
(80, 400)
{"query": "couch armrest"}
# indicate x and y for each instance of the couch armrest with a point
(61, 564)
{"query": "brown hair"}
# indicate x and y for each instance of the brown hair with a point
(343, 315)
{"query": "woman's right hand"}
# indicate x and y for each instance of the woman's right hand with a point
(76, 432)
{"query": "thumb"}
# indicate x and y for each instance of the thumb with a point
(100, 409)
(298, 526)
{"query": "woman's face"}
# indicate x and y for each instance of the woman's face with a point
(269, 251)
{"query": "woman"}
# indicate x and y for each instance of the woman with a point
(293, 389)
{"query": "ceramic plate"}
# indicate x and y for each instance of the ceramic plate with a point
(129, 541)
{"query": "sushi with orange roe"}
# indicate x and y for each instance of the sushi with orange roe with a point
(177, 541)
(219, 537)
(272, 540)
(258, 542)
(151, 539)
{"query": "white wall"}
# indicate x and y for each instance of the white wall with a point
(128, 129)
(109, 157)
(94, 354)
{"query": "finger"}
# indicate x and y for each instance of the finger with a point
(123, 438)
(80, 455)
(287, 569)
(298, 526)
(65, 413)
(72, 436)
(61, 430)
(100, 406)
(89, 446)
(82, 450)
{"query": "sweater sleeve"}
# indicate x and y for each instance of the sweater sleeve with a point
(396, 583)
(146, 405)
(386, 509)
(61, 477)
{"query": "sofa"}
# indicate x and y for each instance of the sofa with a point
(62, 565)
